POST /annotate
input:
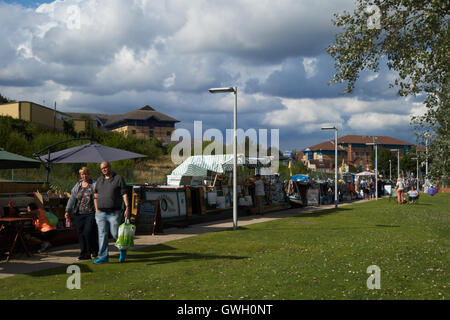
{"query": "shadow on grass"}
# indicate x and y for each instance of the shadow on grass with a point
(316, 226)
(84, 268)
(157, 255)
(307, 212)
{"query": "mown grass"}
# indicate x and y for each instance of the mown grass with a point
(323, 255)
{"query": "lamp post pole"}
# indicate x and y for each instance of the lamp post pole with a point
(233, 90)
(335, 163)
(390, 169)
(375, 144)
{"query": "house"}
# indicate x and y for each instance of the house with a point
(352, 150)
(144, 123)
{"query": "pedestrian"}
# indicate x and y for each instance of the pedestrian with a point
(109, 192)
(44, 232)
(81, 204)
(259, 194)
(413, 195)
(400, 188)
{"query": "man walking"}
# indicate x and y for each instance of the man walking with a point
(109, 192)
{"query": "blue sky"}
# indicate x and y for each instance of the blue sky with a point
(28, 3)
(117, 55)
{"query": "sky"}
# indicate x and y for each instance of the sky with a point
(118, 55)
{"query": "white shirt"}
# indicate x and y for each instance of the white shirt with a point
(259, 188)
(413, 193)
(400, 185)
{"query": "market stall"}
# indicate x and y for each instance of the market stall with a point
(213, 175)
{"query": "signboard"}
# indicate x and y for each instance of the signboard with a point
(312, 197)
(388, 189)
(172, 201)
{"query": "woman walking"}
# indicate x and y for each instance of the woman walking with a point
(400, 188)
(81, 203)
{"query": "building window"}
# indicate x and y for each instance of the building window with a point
(151, 133)
(133, 131)
(169, 133)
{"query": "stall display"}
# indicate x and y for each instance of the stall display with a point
(172, 200)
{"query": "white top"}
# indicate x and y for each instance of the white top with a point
(259, 188)
(400, 185)
(413, 193)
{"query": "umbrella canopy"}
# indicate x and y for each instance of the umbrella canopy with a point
(301, 178)
(10, 160)
(432, 191)
(365, 173)
(91, 152)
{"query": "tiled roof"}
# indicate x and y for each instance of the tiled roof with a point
(143, 113)
(369, 139)
(327, 145)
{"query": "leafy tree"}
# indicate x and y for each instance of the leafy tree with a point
(68, 128)
(5, 100)
(412, 36)
(384, 155)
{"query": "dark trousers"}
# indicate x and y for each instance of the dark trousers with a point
(87, 234)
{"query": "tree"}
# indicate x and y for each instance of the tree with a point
(5, 100)
(384, 155)
(412, 36)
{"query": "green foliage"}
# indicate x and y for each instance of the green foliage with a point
(384, 155)
(21, 137)
(413, 38)
(297, 167)
(4, 99)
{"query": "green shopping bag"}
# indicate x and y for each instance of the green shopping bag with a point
(125, 238)
(51, 218)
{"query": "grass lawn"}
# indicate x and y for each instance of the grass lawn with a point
(324, 255)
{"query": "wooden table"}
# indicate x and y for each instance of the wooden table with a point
(17, 224)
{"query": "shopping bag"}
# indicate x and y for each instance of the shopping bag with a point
(51, 218)
(125, 238)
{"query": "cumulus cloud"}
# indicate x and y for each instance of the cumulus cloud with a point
(115, 56)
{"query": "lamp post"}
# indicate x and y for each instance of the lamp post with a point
(417, 174)
(376, 166)
(398, 161)
(427, 136)
(233, 90)
(335, 164)
(390, 169)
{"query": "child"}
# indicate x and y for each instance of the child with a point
(413, 195)
(44, 231)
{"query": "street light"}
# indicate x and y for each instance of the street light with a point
(390, 169)
(427, 136)
(417, 174)
(233, 90)
(335, 164)
(398, 161)
(376, 166)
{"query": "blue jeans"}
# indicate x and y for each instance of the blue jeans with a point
(106, 222)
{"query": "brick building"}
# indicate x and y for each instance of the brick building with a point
(352, 150)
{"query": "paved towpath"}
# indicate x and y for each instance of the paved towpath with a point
(67, 255)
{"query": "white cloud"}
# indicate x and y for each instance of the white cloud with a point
(310, 66)
(377, 121)
(126, 54)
